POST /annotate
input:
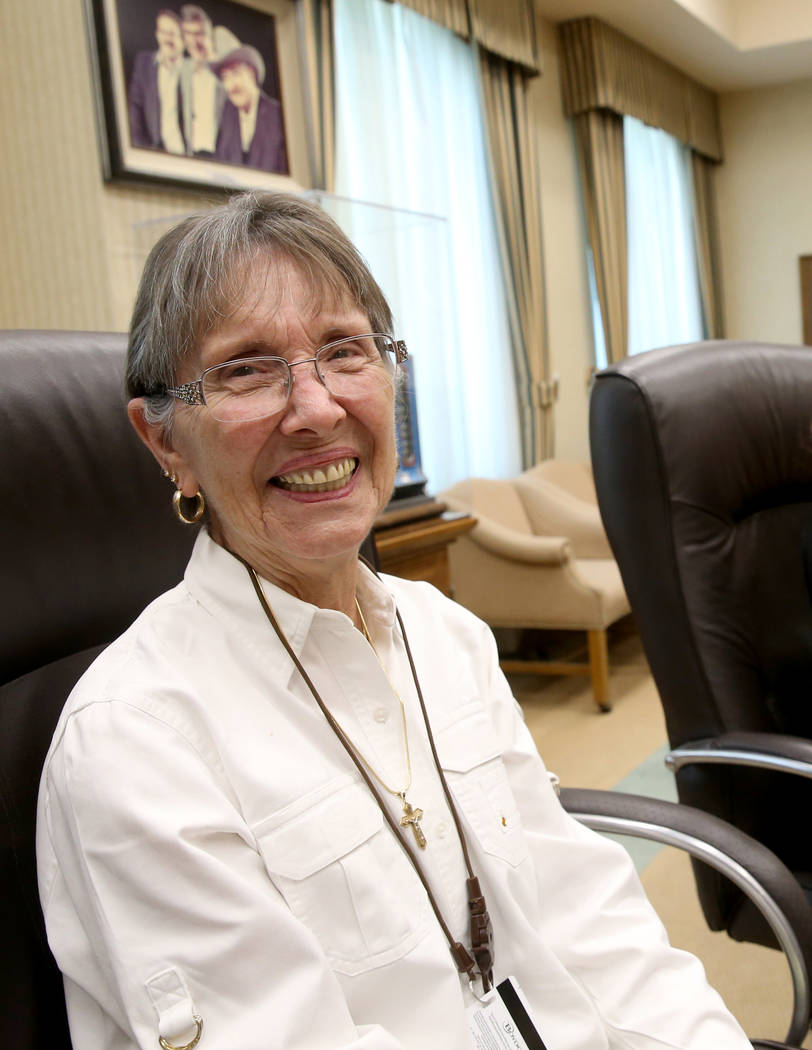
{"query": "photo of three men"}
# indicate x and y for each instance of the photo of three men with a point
(201, 92)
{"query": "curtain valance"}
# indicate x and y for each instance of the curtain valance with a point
(604, 69)
(506, 28)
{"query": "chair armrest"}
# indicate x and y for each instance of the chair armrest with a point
(788, 754)
(758, 873)
(505, 543)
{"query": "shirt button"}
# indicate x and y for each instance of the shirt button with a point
(381, 714)
(442, 830)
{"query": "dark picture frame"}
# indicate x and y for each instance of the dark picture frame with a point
(805, 267)
(251, 67)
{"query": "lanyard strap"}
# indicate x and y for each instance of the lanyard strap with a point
(481, 930)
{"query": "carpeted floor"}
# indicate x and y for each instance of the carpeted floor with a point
(624, 750)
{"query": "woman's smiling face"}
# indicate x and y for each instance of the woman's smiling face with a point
(266, 501)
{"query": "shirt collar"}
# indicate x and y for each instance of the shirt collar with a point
(221, 584)
(170, 67)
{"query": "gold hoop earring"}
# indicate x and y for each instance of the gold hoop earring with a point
(197, 513)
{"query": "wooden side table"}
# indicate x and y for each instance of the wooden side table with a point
(417, 549)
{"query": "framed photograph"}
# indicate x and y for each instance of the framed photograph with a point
(209, 94)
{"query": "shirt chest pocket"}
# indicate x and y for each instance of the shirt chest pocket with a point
(478, 781)
(345, 877)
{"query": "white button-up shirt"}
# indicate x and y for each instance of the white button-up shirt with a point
(204, 86)
(207, 847)
(168, 76)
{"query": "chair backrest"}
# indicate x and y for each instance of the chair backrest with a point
(571, 476)
(559, 499)
(88, 538)
(702, 458)
(490, 498)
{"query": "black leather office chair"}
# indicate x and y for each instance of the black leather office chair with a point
(88, 539)
(702, 458)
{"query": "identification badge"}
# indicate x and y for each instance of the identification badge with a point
(502, 1021)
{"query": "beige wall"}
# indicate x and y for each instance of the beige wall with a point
(765, 212)
(73, 245)
(53, 269)
(569, 323)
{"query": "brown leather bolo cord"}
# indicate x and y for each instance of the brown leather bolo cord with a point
(481, 930)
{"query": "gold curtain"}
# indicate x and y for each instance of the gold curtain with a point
(706, 236)
(514, 172)
(599, 144)
(507, 28)
(317, 37)
(504, 27)
(453, 14)
(604, 69)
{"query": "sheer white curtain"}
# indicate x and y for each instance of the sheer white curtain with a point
(410, 135)
(665, 305)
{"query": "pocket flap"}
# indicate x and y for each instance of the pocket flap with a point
(322, 833)
(468, 742)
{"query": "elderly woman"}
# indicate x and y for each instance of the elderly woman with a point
(275, 808)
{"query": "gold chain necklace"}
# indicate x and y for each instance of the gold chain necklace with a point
(411, 817)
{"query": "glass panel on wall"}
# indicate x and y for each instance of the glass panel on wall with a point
(407, 253)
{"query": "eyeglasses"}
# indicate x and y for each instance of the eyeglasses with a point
(255, 387)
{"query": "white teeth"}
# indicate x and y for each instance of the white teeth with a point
(319, 480)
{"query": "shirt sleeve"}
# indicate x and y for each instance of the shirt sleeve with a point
(158, 904)
(594, 912)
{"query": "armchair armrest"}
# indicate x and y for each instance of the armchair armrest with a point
(788, 754)
(506, 543)
(758, 873)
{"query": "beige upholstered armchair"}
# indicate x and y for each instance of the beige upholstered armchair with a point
(539, 557)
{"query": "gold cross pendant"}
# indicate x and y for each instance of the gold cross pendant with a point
(411, 818)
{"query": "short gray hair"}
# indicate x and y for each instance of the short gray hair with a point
(195, 274)
(193, 13)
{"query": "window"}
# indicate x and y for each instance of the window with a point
(410, 135)
(665, 305)
(664, 300)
